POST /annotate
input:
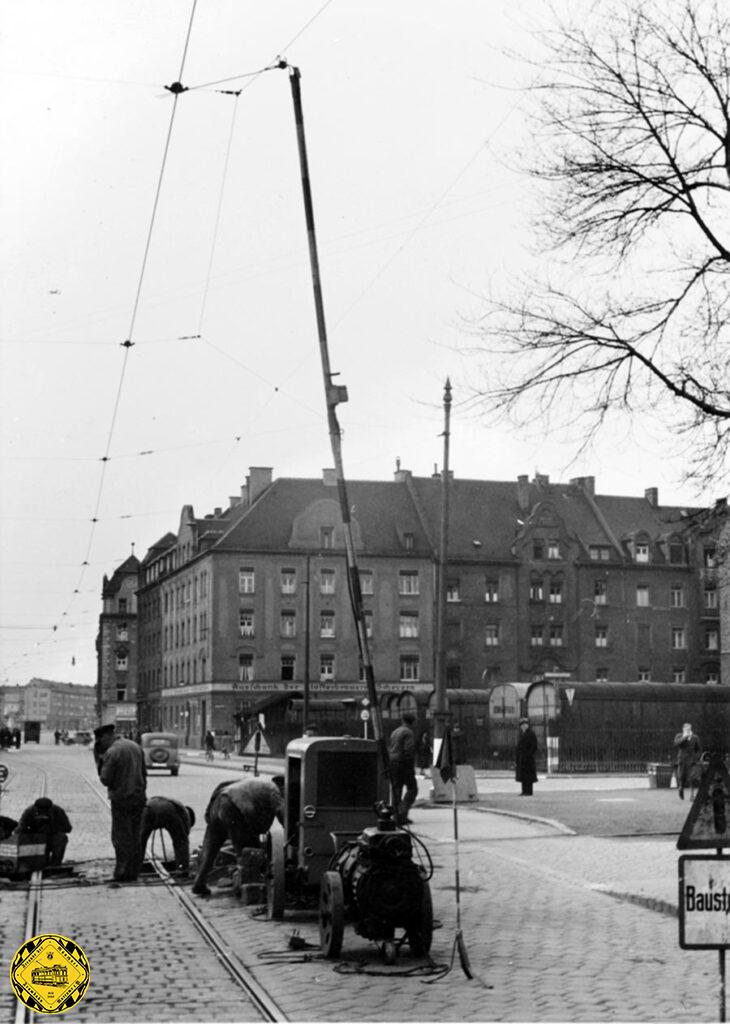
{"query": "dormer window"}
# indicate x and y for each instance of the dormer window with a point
(553, 549)
(408, 541)
(327, 537)
(641, 552)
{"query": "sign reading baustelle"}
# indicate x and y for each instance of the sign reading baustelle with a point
(704, 902)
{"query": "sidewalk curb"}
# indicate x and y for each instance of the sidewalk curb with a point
(557, 825)
(649, 902)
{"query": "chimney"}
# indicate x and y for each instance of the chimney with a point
(523, 492)
(401, 475)
(586, 483)
(258, 479)
(244, 494)
(329, 477)
(217, 512)
(652, 496)
(541, 479)
(233, 500)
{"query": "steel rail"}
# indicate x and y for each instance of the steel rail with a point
(241, 975)
(23, 1013)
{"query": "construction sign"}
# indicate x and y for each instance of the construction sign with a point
(708, 822)
(257, 744)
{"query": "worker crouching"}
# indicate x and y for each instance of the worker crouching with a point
(177, 820)
(44, 818)
(240, 812)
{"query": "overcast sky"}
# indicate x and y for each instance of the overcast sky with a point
(413, 113)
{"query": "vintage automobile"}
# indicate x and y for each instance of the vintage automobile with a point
(160, 750)
(341, 850)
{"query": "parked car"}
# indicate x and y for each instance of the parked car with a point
(160, 750)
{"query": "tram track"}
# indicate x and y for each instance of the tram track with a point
(255, 993)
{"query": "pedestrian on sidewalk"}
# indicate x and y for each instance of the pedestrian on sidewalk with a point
(44, 818)
(525, 751)
(226, 745)
(209, 742)
(241, 812)
(162, 812)
(689, 751)
(122, 770)
(402, 756)
(425, 751)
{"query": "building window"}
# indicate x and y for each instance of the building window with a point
(245, 622)
(553, 550)
(408, 626)
(676, 595)
(288, 624)
(536, 590)
(122, 631)
(122, 663)
(710, 597)
(453, 592)
(366, 581)
(712, 677)
(122, 605)
(712, 638)
(408, 541)
(369, 625)
(599, 552)
(535, 636)
(643, 634)
(121, 693)
(644, 675)
(246, 581)
(327, 624)
(642, 596)
(491, 591)
(410, 668)
(676, 553)
(538, 549)
(641, 552)
(245, 667)
(326, 668)
(600, 591)
(327, 537)
(556, 635)
(679, 638)
(287, 667)
(708, 557)
(408, 582)
(453, 632)
(601, 636)
(453, 676)
(327, 581)
(679, 675)
(491, 636)
(288, 581)
(556, 592)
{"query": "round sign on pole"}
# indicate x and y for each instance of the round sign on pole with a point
(365, 714)
(3, 772)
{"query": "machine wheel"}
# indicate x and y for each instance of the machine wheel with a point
(420, 932)
(174, 771)
(275, 876)
(331, 914)
(389, 952)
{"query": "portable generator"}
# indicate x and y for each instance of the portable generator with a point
(375, 883)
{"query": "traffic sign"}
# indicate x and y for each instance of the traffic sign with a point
(257, 744)
(3, 772)
(365, 714)
(708, 822)
(704, 902)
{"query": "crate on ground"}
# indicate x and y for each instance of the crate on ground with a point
(660, 775)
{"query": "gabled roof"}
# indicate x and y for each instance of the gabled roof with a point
(381, 513)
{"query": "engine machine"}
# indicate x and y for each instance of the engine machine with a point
(374, 882)
(21, 855)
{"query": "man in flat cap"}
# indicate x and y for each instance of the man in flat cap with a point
(121, 768)
(44, 818)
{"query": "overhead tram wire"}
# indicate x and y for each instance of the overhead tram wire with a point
(176, 89)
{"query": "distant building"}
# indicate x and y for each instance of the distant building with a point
(116, 648)
(54, 704)
(543, 579)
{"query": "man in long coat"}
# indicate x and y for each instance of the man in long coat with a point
(525, 769)
(689, 751)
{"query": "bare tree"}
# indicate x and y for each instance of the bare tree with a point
(632, 145)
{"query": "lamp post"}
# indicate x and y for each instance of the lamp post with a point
(440, 713)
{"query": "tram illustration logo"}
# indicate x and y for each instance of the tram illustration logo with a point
(50, 973)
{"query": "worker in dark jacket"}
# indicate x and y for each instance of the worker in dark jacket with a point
(242, 812)
(123, 772)
(177, 820)
(44, 818)
(525, 769)
(402, 757)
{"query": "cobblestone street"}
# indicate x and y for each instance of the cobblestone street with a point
(539, 926)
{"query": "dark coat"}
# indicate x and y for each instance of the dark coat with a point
(525, 770)
(689, 751)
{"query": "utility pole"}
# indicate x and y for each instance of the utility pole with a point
(305, 705)
(440, 712)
